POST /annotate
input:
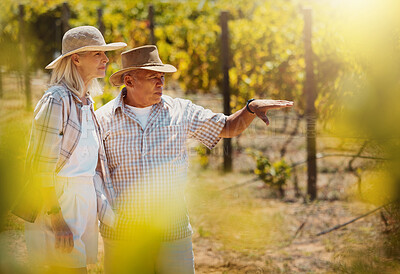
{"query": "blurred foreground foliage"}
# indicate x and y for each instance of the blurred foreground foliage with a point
(356, 57)
(12, 154)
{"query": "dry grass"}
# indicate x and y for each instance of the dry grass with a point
(244, 232)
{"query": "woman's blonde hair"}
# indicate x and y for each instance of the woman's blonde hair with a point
(66, 72)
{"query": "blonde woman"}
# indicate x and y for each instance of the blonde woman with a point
(66, 159)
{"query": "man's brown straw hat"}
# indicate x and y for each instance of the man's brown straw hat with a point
(145, 57)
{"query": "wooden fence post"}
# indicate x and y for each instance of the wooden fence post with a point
(1, 81)
(151, 24)
(66, 13)
(225, 86)
(25, 60)
(311, 118)
(100, 22)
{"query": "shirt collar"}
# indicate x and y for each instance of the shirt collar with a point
(88, 98)
(76, 98)
(119, 101)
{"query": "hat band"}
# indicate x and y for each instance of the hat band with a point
(146, 65)
(66, 51)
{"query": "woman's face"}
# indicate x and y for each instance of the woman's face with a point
(91, 64)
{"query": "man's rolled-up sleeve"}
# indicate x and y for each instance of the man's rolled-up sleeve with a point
(205, 125)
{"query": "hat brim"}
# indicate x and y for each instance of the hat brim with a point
(116, 78)
(107, 47)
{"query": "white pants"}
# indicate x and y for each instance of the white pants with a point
(77, 199)
(174, 257)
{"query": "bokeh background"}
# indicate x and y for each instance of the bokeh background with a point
(259, 217)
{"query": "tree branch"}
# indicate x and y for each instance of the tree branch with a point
(352, 221)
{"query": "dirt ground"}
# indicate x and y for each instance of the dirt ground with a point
(293, 248)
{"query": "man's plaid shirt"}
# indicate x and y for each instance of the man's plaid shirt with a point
(56, 130)
(149, 166)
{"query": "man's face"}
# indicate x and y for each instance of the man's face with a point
(146, 89)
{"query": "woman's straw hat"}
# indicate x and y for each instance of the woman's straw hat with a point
(145, 57)
(84, 38)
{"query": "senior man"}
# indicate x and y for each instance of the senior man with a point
(144, 134)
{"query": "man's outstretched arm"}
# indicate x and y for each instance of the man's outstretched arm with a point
(237, 122)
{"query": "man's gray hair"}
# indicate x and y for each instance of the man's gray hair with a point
(131, 73)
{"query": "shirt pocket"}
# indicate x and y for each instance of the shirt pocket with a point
(122, 145)
(169, 142)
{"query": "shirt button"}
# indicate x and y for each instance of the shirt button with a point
(85, 152)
